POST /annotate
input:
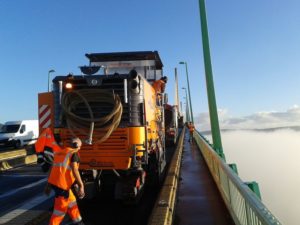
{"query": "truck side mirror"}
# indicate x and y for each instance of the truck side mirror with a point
(165, 98)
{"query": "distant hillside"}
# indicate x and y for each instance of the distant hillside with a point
(293, 128)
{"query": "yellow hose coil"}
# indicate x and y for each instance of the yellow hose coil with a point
(107, 123)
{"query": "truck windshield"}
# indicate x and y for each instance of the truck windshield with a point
(10, 128)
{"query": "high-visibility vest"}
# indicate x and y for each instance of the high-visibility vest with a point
(61, 174)
(46, 145)
(159, 86)
(191, 128)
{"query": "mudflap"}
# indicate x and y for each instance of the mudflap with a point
(161, 158)
(162, 161)
(92, 183)
(130, 187)
(156, 167)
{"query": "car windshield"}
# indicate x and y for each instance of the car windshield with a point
(10, 128)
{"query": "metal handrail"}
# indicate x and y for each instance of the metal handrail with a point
(244, 206)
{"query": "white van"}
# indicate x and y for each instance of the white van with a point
(19, 133)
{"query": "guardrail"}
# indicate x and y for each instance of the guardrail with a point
(244, 206)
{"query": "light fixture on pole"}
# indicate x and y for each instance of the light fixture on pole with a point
(189, 90)
(50, 71)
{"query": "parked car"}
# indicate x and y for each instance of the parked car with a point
(19, 133)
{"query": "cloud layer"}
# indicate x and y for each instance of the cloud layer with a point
(271, 159)
(260, 120)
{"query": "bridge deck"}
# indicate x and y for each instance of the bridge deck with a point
(199, 201)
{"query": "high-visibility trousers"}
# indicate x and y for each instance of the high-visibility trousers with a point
(63, 205)
(191, 134)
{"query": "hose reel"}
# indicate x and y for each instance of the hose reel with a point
(75, 99)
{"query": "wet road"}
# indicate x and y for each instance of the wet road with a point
(199, 201)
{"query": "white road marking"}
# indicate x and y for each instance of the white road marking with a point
(25, 207)
(12, 192)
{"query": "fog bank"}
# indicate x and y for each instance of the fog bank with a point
(258, 120)
(272, 160)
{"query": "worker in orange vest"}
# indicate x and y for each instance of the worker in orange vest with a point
(160, 85)
(63, 176)
(191, 129)
(45, 147)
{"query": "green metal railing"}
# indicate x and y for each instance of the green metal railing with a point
(243, 204)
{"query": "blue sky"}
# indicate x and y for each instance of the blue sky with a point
(255, 48)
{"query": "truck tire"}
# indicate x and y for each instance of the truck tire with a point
(154, 170)
(17, 144)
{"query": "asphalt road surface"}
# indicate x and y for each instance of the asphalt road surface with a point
(22, 191)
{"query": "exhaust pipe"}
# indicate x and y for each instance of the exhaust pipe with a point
(134, 83)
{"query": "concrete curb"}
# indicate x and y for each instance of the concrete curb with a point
(164, 209)
(12, 159)
(12, 154)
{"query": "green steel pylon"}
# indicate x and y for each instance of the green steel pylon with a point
(213, 113)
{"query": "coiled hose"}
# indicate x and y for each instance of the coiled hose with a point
(107, 123)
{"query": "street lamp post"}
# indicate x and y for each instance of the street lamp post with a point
(186, 110)
(50, 71)
(188, 118)
(181, 107)
(189, 90)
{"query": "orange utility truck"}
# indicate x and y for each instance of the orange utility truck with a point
(114, 109)
(171, 124)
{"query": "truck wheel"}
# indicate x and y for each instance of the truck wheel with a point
(153, 170)
(17, 144)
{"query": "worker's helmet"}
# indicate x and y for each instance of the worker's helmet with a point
(76, 143)
(165, 79)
